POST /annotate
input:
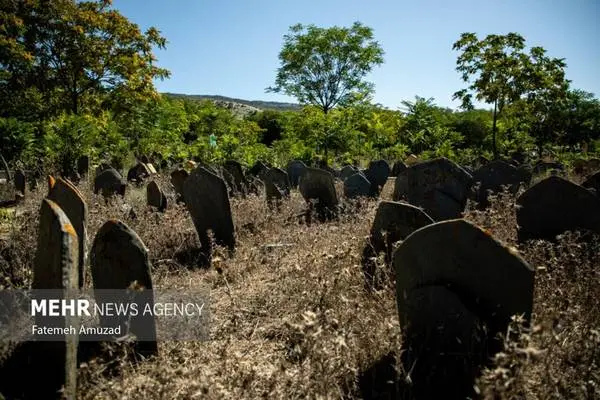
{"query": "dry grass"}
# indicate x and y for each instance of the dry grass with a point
(291, 317)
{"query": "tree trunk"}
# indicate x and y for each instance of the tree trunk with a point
(494, 146)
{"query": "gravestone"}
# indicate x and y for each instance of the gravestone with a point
(238, 181)
(295, 169)
(56, 267)
(593, 182)
(451, 277)
(138, 173)
(109, 183)
(401, 186)
(257, 168)
(178, 178)
(20, 181)
(317, 187)
(545, 167)
(277, 184)
(155, 196)
(398, 167)
(119, 261)
(71, 201)
(207, 201)
(492, 177)
(393, 222)
(440, 187)
(555, 205)
(377, 173)
(357, 186)
(103, 167)
(347, 171)
(83, 165)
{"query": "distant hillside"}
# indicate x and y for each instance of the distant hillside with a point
(230, 102)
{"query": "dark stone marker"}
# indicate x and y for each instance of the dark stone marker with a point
(295, 169)
(178, 177)
(493, 177)
(119, 261)
(357, 186)
(238, 181)
(138, 173)
(440, 187)
(593, 182)
(452, 277)
(377, 173)
(155, 196)
(317, 187)
(398, 167)
(277, 184)
(207, 201)
(56, 267)
(109, 183)
(83, 165)
(71, 201)
(543, 167)
(257, 168)
(103, 167)
(401, 186)
(347, 171)
(20, 181)
(555, 205)
(393, 223)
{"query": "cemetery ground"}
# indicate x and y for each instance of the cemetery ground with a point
(291, 316)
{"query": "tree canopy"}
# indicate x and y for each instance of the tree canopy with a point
(327, 66)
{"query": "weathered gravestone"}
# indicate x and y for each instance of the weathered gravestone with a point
(109, 183)
(555, 205)
(138, 173)
(56, 267)
(238, 181)
(71, 201)
(178, 178)
(257, 168)
(207, 201)
(377, 173)
(401, 186)
(155, 196)
(277, 184)
(318, 189)
(121, 272)
(347, 171)
(83, 165)
(393, 223)
(398, 167)
(295, 169)
(440, 187)
(493, 177)
(20, 181)
(103, 167)
(547, 167)
(593, 182)
(450, 277)
(357, 186)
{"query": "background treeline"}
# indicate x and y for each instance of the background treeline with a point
(76, 78)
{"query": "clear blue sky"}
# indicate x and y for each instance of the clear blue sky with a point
(231, 47)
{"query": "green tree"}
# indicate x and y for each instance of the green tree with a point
(68, 55)
(500, 72)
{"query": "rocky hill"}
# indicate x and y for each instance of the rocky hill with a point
(239, 106)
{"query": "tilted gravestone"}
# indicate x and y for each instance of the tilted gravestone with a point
(155, 196)
(347, 171)
(83, 165)
(207, 201)
(493, 177)
(317, 187)
(440, 187)
(593, 182)
(393, 223)
(119, 261)
(357, 186)
(138, 173)
(71, 201)
(277, 184)
(102, 167)
(257, 168)
(109, 183)
(295, 169)
(20, 181)
(178, 177)
(56, 267)
(555, 205)
(377, 173)
(238, 181)
(398, 167)
(450, 276)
